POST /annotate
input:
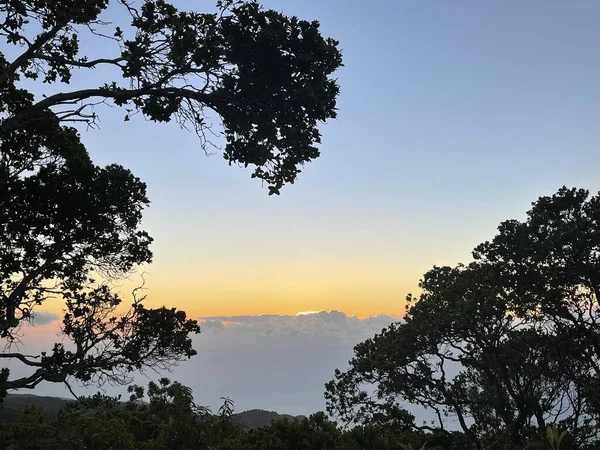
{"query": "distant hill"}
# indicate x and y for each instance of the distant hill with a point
(14, 404)
(256, 418)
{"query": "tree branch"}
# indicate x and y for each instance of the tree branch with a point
(29, 53)
(29, 382)
(84, 64)
(16, 121)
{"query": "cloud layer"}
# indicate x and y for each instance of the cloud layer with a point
(325, 324)
(271, 362)
(44, 317)
(274, 362)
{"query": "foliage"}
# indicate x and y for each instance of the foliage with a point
(266, 75)
(504, 345)
(64, 222)
(69, 228)
(31, 432)
(314, 432)
(169, 419)
(554, 439)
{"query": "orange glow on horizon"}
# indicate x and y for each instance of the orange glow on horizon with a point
(308, 313)
(287, 289)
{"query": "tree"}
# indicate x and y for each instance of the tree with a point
(68, 227)
(29, 433)
(390, 438)
(503, 346)
(316, 432)
(266, 75)
(63, 223)
(167, 419)
(549, 267)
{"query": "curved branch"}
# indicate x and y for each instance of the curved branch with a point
(83, 64)
(42, 39)
(16, 121)
(31, 381)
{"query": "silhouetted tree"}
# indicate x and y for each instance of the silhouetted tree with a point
(266, 75)
(168, 419)
(504, 346)
(311, 433)
(64, 223)
(69, 227)
(163, 418)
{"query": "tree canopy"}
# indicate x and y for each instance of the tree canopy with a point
(267, 76)
(169, 418)
(503, 346)
(70, 228)
(66, 230)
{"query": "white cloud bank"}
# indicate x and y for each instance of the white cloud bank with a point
(326, 324)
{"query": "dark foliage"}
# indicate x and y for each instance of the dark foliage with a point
(266, 75)
(504, 346)
(169, 418)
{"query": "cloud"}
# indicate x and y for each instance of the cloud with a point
(324, 324)
(275, 362)
(272, 362)
(212, 325)
(44, 317)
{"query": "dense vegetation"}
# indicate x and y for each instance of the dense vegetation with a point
(170, 419)
(14, 406)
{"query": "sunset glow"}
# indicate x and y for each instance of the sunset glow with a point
(307, 313)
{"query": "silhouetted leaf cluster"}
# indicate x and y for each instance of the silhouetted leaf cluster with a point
(265, 75)
(504, 346)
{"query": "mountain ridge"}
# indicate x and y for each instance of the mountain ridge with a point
(14, 404)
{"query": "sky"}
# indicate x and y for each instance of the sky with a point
(453, 116)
